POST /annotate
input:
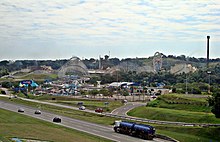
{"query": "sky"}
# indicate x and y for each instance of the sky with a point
(60, 29)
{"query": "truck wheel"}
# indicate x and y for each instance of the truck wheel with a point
(117, 130)
(150, 138)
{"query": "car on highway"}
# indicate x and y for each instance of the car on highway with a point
(37, 112)
(57, 119)
(80, 103)
(153, 96)
(99, 110)
(124, 101)
(20, 110)
(82, 108)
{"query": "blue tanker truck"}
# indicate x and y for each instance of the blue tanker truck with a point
(134, 129)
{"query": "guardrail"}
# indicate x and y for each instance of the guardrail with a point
(147, 120)
(161, 122)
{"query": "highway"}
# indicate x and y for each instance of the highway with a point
(95, 129)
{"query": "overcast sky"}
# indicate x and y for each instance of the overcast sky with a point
(60, 29)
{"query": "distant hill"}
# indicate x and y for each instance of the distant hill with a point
(128, 64)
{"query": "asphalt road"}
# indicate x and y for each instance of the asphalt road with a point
(124, 109)
(99, 130)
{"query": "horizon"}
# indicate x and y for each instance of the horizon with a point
(53, 30)
(103, 58)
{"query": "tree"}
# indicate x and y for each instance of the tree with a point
(215, 103)
(124, 92)
(105, 92)
(93, 92)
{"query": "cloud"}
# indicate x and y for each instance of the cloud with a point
(90, 22)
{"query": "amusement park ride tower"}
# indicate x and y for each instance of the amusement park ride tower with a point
(157, 61)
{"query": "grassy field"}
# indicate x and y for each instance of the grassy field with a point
(40, 76)
(175, 107)
(181, 102)
(71, 101)
(36, 77)
(89, 104)
(92, 105)
(20, 126)
(184, 109)
(173, 115)
(186, 134)
(183, 134)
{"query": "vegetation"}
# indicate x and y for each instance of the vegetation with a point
(89, 104)
(3, 71)
(181, 102)
(173, 115)
(182, 108)
(184, 134)
(81, 115)
(215, 103)
(198, 82)
(20, 126)
(190, 134)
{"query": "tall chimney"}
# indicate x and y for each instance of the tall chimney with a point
(208, 37)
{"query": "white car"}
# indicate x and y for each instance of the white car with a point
(82, 107)
(20, 110)
(153, 96)
(37, 112)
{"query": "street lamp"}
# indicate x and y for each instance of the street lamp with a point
(186, 86)
(144, 91)
(117, 83)
(209, 72)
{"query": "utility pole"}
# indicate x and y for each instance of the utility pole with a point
(209, 87)
(186, 85)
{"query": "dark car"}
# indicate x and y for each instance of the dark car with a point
(37, 112)
(20, 110)
(57, 119)
(99, 110)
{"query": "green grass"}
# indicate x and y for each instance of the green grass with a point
(181, 102)
(92, 105)
(71, 101)
(183, 134)
(81, 115)
(173, 115)
(40, 76)
(160, 103)
(192, 134)
(17, 125)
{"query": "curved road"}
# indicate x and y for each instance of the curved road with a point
(128, 106)
(95, 129)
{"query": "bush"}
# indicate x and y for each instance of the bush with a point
(215, 103)
(153, 104)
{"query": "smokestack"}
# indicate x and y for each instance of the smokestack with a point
(208, 37)
(100, 62)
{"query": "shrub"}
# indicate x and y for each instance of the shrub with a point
(153, 104)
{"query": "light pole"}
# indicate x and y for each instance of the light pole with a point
(209, 72)
(144, 91)
(117, 83)
(186, 86)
